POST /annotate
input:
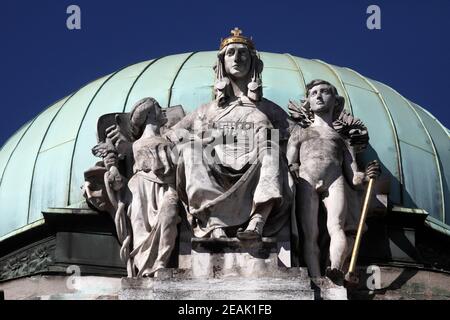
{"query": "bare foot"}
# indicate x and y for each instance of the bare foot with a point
(253, 231)
(335, 275)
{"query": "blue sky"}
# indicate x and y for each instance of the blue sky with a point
(42, 61)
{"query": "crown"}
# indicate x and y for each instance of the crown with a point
(237, 37)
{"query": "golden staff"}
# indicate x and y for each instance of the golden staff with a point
(351, 276)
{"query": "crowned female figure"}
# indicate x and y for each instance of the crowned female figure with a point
(231, 174)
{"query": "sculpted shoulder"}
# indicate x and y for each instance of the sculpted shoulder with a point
(277, 116)
(296, 134)
(200, 115)
(206, 111)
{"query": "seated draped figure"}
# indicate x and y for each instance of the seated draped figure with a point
(231, 177)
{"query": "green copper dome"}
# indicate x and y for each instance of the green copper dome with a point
(42, 165)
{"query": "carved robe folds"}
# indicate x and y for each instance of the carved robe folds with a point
(153, 209)
(221, 182)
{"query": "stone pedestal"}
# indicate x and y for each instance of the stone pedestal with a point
(230, 269)
(292, 284)
(282, 284)
(215, 258)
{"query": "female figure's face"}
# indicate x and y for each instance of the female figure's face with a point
(237, 60)
(155, 116)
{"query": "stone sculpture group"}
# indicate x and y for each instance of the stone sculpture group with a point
(238, 166)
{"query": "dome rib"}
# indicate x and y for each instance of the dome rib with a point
(435, 154)
(53, 163)
(14, 192)
(23, 127)
(39, 150)
(176, 76)
(197, 76)
(446, 131)
(416, 155)
(15, 147)
(441, 141)
(156, 80)
(151, 62)
(29, 125)
(298, 69)
(347, 97)
(392, 125)
(79, 129)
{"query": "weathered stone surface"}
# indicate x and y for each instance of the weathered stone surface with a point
(279, 284)
(326, 290)
(284, 285)
(395, 283)
(401, 283)
(214, 258)
(61, 288)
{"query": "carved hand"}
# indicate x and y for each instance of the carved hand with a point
(115, 179)
(103, 149)
(359, 139)
(118, 139)
(373, 170)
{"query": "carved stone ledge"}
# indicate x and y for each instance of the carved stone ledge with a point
(29, 260)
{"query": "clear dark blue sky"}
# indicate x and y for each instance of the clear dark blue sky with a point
(42, 61)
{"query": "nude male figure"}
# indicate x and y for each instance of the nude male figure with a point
(322, 163)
